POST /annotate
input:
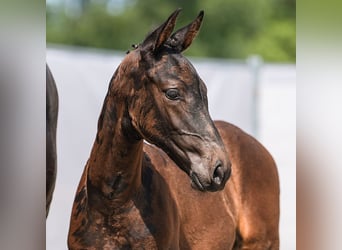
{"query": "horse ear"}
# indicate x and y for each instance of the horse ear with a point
(157, 38)
(183, 37)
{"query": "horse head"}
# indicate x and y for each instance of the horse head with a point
(166, 104)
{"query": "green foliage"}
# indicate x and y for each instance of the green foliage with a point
(276, 42)
(231, 28)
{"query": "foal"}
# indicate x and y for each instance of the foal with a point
(134, 195)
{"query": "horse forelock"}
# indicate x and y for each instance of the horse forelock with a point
(129, 64)
(128, 76)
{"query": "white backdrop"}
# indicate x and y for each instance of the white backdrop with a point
(82, 77)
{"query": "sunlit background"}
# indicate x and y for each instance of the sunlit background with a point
(245, 53)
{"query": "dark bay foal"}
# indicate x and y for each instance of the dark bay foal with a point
(134, 195)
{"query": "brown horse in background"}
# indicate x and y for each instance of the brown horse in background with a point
(51, 126)
(134, 195)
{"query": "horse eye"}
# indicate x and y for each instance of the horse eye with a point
(172, 94)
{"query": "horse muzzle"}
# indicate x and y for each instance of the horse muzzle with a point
(212, 181)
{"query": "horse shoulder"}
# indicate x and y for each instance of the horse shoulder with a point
(206, 219)
(162, 207)
(251, 161)
(254, 188)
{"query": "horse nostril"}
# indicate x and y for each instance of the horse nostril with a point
(218, 174)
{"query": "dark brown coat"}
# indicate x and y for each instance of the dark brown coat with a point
(51, 127)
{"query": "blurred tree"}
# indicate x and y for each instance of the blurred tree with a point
(232, 28)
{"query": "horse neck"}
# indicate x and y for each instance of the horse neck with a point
(114, 166)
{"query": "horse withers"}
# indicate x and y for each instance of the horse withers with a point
(171, 193)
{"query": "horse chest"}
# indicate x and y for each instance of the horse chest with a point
(140, 229)
(129, 231)
(126, 230)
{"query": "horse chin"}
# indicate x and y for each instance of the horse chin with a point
(196, 183)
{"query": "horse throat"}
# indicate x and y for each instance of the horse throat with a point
(114, 166)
